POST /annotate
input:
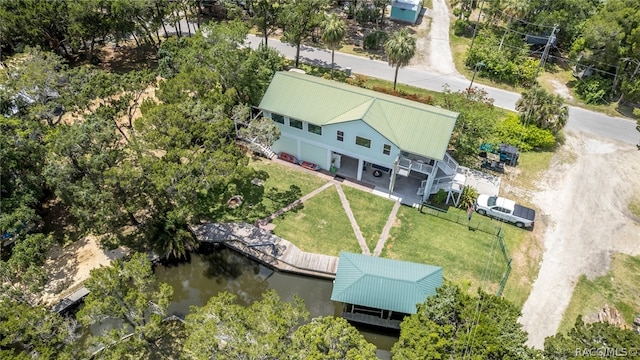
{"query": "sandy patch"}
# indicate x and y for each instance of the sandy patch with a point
(433, 52)
(68, 267)
(561, 89)
(584, 212)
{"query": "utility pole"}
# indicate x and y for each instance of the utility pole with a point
(545, 54)
(476, 68)
(475, 28)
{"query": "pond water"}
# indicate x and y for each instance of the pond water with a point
(221, 269)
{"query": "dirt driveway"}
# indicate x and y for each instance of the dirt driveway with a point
(583, 200)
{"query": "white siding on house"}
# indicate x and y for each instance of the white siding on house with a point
(315, 154)
(317, 148)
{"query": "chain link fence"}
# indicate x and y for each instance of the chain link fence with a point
(478, 224)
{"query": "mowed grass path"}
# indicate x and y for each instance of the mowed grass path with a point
(321, 226)
(371, 213)
(467, 257)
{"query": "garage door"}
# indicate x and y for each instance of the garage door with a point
(285, 144)
(315, 154)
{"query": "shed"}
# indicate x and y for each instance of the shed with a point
(406, 10)
(379, 291)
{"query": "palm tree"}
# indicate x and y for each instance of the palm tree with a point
(400, 48)
(545, 110)
(513, 9)
(332, 34)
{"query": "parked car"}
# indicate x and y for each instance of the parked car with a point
(505, 210)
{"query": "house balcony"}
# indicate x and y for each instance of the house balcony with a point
(406, 165)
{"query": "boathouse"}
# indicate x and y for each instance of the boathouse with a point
(381, 292)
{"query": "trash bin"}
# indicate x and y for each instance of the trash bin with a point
(347, 71)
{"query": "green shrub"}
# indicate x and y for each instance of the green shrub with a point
(374, 40)
(468, 197)
(510, 65)
(631, 90)
(366, 14)
(594, 90)
(526, 138)
(462, 27)
(440, 197)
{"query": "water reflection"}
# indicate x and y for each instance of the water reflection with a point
(217, 270)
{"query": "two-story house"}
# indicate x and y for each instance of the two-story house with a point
(331, 123)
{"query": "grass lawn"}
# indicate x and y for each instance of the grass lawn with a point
(531, 166)
(321, 226)
(371, 213)
(618, 288)
(459, 46)
(526, 253)
(467, 257)
(281, 176)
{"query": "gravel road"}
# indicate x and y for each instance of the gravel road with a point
(583, 201)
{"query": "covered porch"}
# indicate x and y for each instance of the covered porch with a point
(378, 177)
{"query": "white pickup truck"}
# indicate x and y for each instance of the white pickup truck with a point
(506, 210)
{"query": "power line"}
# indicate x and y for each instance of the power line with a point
(545, 54)
(524, 21)
(473, 327)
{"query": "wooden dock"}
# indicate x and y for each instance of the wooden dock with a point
(71, 300)
(371, 320)
(267, 248)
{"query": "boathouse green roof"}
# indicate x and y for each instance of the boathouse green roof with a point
(384, 283)
(412, 126)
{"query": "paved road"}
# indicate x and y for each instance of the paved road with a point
(579, 119)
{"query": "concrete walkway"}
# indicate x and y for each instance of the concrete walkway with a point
(387, 227)
(265, 224)
(352, 219)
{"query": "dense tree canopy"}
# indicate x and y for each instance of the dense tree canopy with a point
(453, 324)
(331, 338)
(34, 332)
(598, 339)
(299, 19)
(128, 294)
(475, 123)
(599, 35)
(225, 330)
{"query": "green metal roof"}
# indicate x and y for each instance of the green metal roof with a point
(384, 283)
(412, 126)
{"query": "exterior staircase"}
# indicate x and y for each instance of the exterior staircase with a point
(264, 150)
(445, 177)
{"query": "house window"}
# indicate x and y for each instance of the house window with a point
(386, 149)
(340, 135)
(314, 129)
(363, 142)
(295, 123)
(277, 118)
